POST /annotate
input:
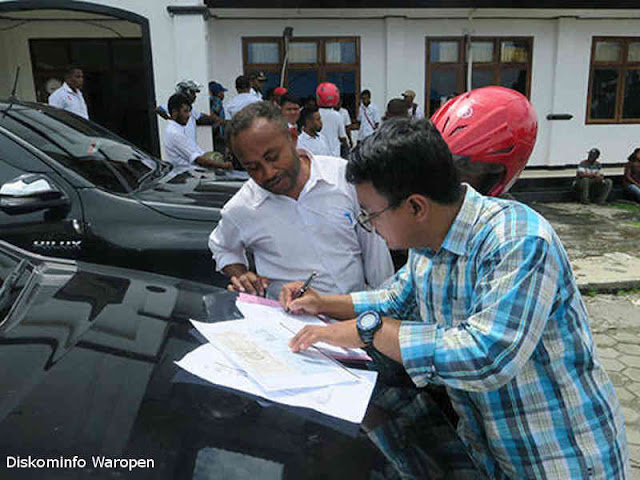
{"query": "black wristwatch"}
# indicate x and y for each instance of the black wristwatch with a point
(368, 323)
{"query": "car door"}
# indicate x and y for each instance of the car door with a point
(56, 230)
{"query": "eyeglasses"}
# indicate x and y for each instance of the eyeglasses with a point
(364, 218)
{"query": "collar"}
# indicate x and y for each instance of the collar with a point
(68, 89)
(319, 173)
(459, 235)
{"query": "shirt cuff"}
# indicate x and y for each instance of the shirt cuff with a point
(417, 348)
(229, 258)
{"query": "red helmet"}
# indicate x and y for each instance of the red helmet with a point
(491, 132)
(327, 95)
(279, 91)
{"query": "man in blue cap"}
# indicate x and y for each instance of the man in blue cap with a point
(216, 108)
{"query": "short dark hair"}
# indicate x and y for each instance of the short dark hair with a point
(288, 98)
(245, 117)
(396, 107)
(404, 157)
(365, 92)
(306, 114)
(70, 69)
(176, 101)
(242, 82)
(632, 157)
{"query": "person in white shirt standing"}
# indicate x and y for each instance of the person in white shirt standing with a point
(179, 148)
(328, 97)
(369, 117)
(415, 112)
(257, 81)
(296, 213)
(290, 107)
(310, 137)
(346, 118)
(69, 96)
(242, 99)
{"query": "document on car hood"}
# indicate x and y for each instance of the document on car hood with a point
(346, 401)
(260, 347)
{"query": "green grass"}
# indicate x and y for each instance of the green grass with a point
(629, 207)
(634, 224)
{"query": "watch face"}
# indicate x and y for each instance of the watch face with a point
(368, 321)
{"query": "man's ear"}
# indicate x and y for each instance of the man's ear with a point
(419, 205)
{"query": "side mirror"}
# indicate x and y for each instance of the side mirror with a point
(29, 193)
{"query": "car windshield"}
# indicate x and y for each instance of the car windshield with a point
(93, 152)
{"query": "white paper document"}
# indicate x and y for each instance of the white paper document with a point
(261, 349)
(347, 401)
(295, 323)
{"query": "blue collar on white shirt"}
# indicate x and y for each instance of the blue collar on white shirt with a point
(318, 174)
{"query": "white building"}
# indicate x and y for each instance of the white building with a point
(579, 63)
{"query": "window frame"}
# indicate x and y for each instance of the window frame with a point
(495, 66)
(622, 66)
(322, 67)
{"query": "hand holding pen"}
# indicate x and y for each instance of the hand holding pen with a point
(294, 291)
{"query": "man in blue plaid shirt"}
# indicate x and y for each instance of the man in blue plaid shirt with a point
(489, 308)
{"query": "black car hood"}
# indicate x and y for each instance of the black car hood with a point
(191, 195)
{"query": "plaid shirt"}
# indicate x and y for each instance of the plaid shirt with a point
(503, 327)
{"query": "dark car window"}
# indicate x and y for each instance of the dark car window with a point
(101, 157)
(19, 157)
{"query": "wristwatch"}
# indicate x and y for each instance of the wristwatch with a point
(368, 323)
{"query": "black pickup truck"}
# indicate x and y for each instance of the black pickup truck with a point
(70, 188)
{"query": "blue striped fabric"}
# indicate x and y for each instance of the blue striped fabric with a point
(495, 315)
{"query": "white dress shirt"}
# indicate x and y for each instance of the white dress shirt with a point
(346, 118)
(179, 148)
(418, 114)
(316, 145)
(238, 102)
(332, 129)
(256, 94)
(369, 117)
(66, 99)
(292, 238)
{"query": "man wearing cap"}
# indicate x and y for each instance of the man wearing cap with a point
(257, 80)
(277, 94)
(189, 89)
(414, 109)
(216, 109)
(244, 97)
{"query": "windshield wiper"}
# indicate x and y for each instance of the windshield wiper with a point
(10, 282)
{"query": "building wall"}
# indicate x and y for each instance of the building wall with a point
(393, 59)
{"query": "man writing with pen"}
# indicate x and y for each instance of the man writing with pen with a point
(296, 214)
(501, 323)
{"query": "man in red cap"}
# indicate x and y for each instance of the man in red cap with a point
(277, 94)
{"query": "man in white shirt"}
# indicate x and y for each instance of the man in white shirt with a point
(414, 109)
(290, 107)
(69, 96)
(180, 149)
(190, 90)
(257, 80)
(369, 117)
(310, 138)
(244, 97)
(297, 214)
(346, 118)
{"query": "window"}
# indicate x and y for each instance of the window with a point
(614, 81)
(495, 61)
(310, 61)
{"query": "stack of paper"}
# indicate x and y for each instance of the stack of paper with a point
(253, 355)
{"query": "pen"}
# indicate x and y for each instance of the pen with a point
(304, 287)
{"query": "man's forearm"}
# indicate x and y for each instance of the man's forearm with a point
(338, 306)
(235, 270)
(387, 341)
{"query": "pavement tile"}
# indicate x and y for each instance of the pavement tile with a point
(633, 435)
(633, 374)
(603, 340)
(625, 396)
(633, 388)
(613, 365)
(619, 380)
(630, 415)
(608, 353)
(630, 361)
(626, 337)
(630, 349)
